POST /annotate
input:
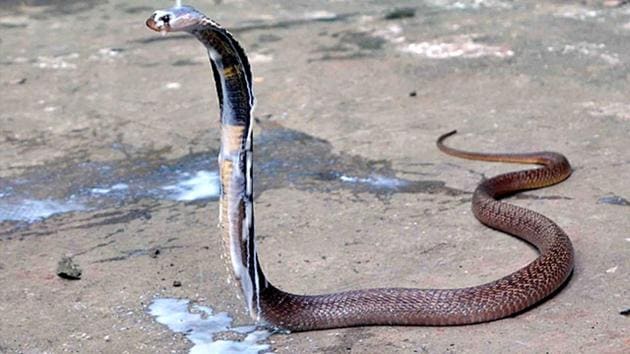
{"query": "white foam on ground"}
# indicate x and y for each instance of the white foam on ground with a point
(470, 4)
(200, 325)
(33, 210)
(593, 50)
(459, 46)
(203, 185)
(620, 110)
(115, 187)
(391, 33)
(577, 13)
(259, 58)
(200, 185)
(58, 62)
(14, 21)
(375, 181)
(106, 55)
(320, 15)
(462, 46)
(173, 86)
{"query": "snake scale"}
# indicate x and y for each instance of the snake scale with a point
(384, 306)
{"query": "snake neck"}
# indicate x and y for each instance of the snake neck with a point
(233, 79)
(232, 73)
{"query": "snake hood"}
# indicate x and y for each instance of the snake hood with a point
(176, 19)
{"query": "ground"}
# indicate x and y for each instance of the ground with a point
(102, 120)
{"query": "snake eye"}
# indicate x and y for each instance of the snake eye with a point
(165, 18)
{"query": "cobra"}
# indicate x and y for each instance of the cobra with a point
(382, 306)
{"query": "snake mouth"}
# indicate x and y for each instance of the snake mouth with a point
(159, 23)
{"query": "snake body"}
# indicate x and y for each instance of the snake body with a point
(384, 306)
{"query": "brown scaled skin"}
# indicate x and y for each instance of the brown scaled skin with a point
(385, 306)
(504, 297)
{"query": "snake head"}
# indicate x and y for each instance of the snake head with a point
(178, 18)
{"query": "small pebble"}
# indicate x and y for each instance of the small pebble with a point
(154, 252)
(397, 14)
(67, 269)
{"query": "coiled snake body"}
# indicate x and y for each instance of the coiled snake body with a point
(387, 306)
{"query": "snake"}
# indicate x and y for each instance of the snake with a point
(270, 306)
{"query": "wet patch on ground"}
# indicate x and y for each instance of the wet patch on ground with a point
(209, 332)
(284, 157)
(350, 45)
(613, 200)
(69, 186)
(288, 157)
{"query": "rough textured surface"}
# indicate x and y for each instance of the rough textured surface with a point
(85, 82)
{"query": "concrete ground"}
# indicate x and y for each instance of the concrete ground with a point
(350, 192)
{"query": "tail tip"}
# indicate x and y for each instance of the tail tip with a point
(446, 135)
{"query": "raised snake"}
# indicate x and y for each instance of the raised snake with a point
(273, 307)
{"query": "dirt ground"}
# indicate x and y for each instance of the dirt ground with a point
(350, 189)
